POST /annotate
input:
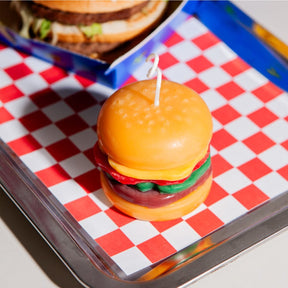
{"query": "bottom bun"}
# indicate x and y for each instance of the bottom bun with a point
(174, 210)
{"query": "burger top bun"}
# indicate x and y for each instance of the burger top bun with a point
(90, 6)
(139, 136)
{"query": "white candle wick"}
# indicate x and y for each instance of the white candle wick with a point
(155, 69)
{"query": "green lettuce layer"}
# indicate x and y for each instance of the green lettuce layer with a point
(170, 189)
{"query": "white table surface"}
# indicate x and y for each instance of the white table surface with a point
(27, 261)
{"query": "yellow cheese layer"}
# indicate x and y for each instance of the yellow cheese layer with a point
(171, 174)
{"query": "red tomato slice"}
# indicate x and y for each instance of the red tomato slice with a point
(102, 162)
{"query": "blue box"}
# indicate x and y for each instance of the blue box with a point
(112, 75)
(224, 19)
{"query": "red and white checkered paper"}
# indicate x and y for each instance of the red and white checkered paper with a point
(48, 118)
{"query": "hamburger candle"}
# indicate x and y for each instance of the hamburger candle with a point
(154, 157)
(89, 27)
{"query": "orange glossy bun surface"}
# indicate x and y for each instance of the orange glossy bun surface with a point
(89, 6)
(135, 133)
(174, 210)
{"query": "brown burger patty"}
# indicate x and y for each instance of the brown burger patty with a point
(153, 198)
(71, 18)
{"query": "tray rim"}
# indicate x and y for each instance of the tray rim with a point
(87, 264)
(231, 240)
